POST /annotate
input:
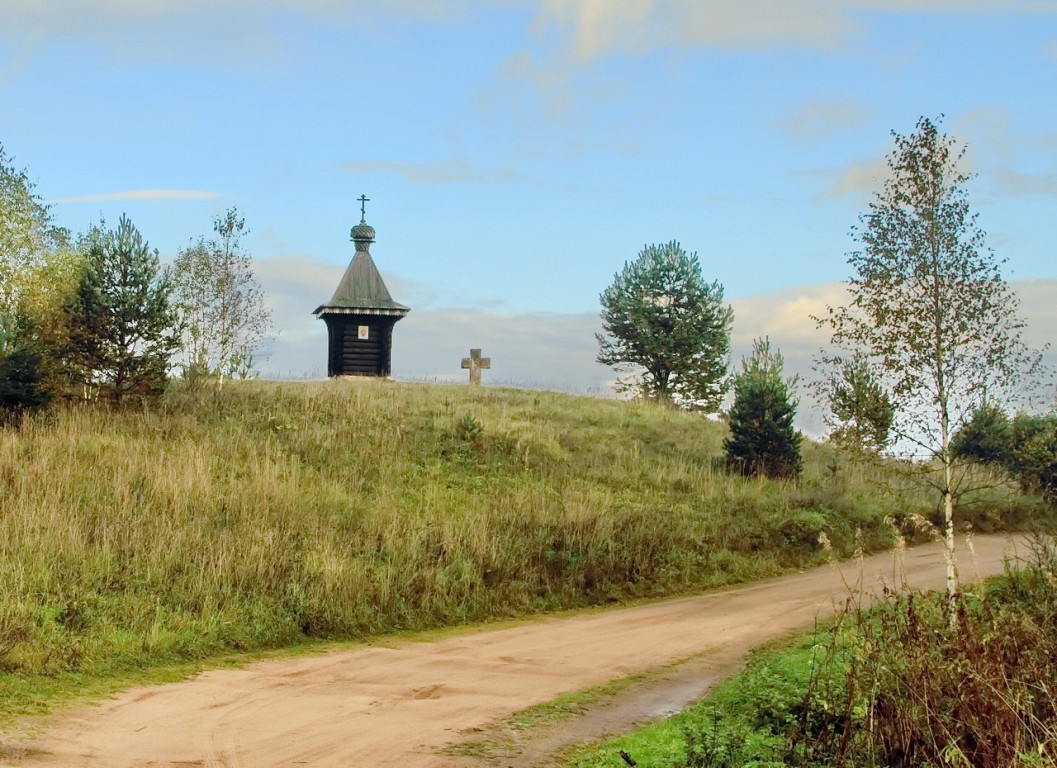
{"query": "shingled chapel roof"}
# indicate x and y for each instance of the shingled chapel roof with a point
(362, 290)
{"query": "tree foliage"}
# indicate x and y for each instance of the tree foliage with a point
(123, 329)
(861, 412)
(32, 248)
(221, 303)
(38, 272)
(762, 438)
(22, 382)
(662, 319)
(929, 314)
(1025, 447)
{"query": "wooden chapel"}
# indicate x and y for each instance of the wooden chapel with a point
(361, 314)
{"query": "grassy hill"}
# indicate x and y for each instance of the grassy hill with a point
(275, 513)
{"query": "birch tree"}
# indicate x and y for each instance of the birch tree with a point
(930, 314)
(222, 305)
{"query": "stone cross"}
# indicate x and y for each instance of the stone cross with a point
(475, 363)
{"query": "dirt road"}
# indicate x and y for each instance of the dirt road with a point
(400, 705)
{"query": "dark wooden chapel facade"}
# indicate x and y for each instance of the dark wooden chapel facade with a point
(361, 314)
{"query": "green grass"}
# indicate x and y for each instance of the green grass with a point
(502, 738)
(773, 682)
(275, 514)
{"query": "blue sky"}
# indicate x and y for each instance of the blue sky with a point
(517, 152)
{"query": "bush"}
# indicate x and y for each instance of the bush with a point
(21, 388)
(1024, 447)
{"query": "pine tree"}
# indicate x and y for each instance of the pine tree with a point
(662, 319)
(1025, 447)
(762, 439)
(861, 412)
(123, 330)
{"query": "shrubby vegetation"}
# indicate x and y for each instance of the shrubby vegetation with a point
(29, 242)
(1025, 447)
(36, 263)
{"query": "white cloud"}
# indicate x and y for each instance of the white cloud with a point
(548, 78)
(207, 30)
(1043, 7)
(1038, 304)
(586, 29)
(570, 35)
(819, 120)
(1011, 182)
(785, 317)
(455, 172)
(32, 14)
(20, 55)
(1011, 164)
(860, 180)
(148, 30)
(785, 314)
(140, 194)
(601, 27)
(550, 350)
(437, 172)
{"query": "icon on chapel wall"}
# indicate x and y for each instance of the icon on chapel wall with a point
(365, 332)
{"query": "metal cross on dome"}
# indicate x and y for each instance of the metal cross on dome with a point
(363, 207)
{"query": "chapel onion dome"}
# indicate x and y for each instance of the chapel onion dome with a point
(363, 235)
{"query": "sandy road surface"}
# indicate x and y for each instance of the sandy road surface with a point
(400, 705)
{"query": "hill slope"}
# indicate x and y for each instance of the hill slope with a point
(278, 512)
